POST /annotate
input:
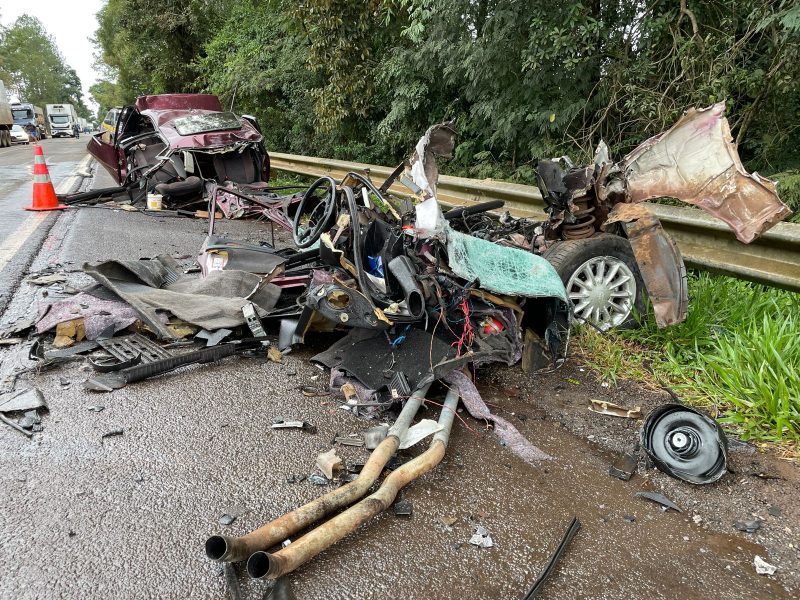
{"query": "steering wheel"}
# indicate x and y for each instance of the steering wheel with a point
(314, 212)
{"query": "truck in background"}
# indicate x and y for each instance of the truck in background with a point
(27, 114)
(6, 118)
(62, 119)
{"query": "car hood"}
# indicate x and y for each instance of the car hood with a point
(164, 120)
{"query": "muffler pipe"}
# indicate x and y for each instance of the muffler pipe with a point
(229, 549)
(263, 564)
(403, 270)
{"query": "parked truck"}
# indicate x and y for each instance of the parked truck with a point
(27, 115)
(6, 118)
(63, 120)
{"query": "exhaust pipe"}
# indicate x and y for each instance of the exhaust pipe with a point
(230, 549)
(263, 564)
(403, 270)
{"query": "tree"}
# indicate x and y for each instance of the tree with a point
(106, 95)
(33, 68)
(362, 79)
(152, 45)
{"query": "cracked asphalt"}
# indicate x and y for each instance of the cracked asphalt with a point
(127, 516)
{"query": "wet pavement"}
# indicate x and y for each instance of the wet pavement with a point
(22, 232)
(127, 516)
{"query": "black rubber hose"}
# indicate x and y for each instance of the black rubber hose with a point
(466, 211)
(573, 528)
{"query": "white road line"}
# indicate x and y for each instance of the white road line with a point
(16, 240)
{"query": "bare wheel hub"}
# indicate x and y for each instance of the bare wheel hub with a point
(603, 291)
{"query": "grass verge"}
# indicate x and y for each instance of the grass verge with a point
(737, 353)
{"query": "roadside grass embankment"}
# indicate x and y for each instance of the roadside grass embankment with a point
(737, 355)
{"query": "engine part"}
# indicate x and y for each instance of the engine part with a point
(403, 270)
(685, 443)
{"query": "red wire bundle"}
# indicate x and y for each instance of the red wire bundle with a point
(467, 333)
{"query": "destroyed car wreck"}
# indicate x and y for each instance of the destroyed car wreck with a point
(421, 294)
(185, 149)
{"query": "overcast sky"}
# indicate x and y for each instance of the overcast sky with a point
(71, 23)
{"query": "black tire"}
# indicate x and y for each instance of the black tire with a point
(570, 256)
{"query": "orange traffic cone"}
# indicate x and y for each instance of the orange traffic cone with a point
(44, 194)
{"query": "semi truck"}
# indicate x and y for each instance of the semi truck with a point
(62, 119)
(6, 118)
(26, 114)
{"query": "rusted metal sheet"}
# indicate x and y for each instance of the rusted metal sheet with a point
(660, 262)
(696, 161)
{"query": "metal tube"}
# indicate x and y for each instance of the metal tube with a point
(263, 564)
(229, 549)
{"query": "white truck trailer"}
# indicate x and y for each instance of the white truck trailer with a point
(63, 120)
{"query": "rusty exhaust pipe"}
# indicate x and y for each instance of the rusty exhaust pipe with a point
(263, 564)
(229, 549)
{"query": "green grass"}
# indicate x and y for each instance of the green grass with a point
(738, 352)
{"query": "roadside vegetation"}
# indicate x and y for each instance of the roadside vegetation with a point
(32, 68)
(737, 354)
(360, 81)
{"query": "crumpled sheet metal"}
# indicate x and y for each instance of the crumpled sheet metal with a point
(97, 314)
(508, 434)
(659, 260)
(438, 141)
(696, 161)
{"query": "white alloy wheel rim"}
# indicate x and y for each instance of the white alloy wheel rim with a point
(602, 290)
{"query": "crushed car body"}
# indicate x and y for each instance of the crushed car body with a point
(611, 252)
(177, 144)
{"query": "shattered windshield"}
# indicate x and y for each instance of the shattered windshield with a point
(201, 123)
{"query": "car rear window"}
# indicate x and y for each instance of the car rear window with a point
(201, 123)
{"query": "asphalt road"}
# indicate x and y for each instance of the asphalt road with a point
(82, 516)
(21, 232)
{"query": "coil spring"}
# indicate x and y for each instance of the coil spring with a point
(583, 227)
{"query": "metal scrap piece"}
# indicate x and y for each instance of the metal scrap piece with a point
(481, 538)
(661, 499)
(253, 321)
(27, 399)
(748, 526)
(603, 407)
(374, 436)
(281, 423)
(696, 161)
(404, 508)
(13, 425)
(213, 338)
(624, 467)
(129, 346)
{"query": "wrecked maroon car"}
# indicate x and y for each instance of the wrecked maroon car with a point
(177, 144)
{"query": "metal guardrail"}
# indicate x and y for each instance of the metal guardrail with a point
(705, 241)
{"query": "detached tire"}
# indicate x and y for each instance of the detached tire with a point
(602, 280)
